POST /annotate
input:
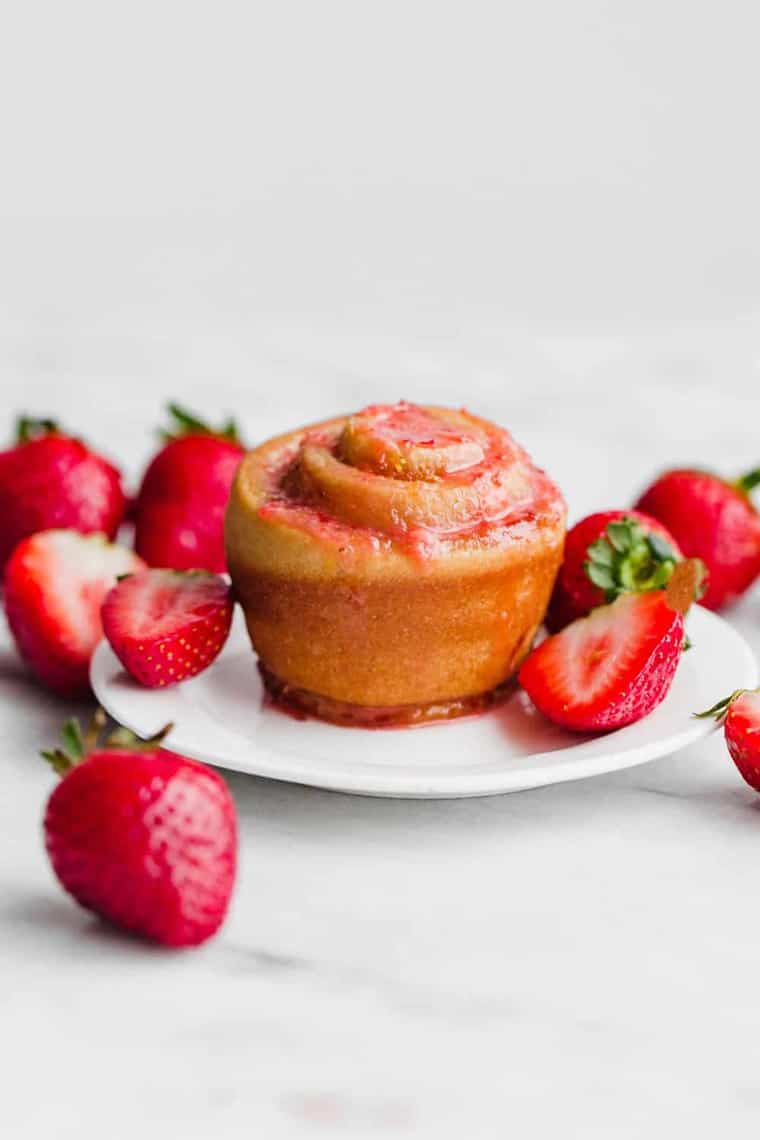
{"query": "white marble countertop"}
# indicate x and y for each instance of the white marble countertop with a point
(575, 960)
(547, 212)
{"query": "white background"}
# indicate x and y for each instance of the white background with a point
(548, 212)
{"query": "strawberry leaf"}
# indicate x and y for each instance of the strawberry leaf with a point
(626, 559)
(58, 760)
(29, 428)
(720, 708)
(601, 576)
(622, 535)
(661, 550)
(601, 553)
(124, 738)
(748, 482)
(73, 740)
(187, 423)
(75, 746)
(78, 746)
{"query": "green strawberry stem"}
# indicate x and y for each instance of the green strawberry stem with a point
(749, 481)
(187, 423)
(720, 708)
(77, 746)
(93, 732)
(29, 428)
(627, 559)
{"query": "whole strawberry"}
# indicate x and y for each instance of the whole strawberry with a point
(613, 667)
(49, 480)
(741, 725)
(141, 836)
(167, 625)
(607, 554)
(179, 511)
(712, 519)
(55, 583)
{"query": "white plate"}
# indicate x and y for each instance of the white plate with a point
(220, 717)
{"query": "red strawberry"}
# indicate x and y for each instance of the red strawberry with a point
(55, 583)
(714, 520)
(167, 625)
(145, 838)
(614, 666)
(742, 731)
(179, 511)
(50, 481)
(607, 554)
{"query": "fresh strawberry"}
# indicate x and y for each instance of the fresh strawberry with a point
(145, 838)
(49, 480)
(179, 511)
(607, 554)
(741, 724)
(167, 625)
(55, 583)
(714, 520)
(614, 666)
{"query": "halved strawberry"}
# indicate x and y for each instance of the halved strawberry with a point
(167, 625)
(55, 583)
(614, 666)
(742, 731)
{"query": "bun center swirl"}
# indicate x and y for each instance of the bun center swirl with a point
(399, 469)
(407, 442)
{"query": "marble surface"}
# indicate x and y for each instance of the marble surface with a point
(577, 959)
(548, 212)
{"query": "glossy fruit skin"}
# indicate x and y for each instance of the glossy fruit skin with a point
(575, 594)
(56, 482)
(742, 732)
(712, 520)
(167, 625)
(179, 511)
(652, 657)
(55, 638)
(147, 840)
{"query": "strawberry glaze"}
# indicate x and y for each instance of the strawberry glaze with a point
(489, 491)
(303, 705)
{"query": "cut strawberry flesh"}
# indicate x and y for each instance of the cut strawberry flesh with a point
(55, 583)
(72, 574)
(595, 655)
(609, 668)
(166, 626)
(164, 603)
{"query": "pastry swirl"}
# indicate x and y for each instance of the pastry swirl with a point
(394, 562)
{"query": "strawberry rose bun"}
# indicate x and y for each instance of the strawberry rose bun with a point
(393, 565)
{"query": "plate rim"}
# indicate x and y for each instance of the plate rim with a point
(405, 784)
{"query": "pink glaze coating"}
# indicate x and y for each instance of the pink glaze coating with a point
(393, 565)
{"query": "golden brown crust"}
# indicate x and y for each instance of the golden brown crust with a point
(388, 617)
